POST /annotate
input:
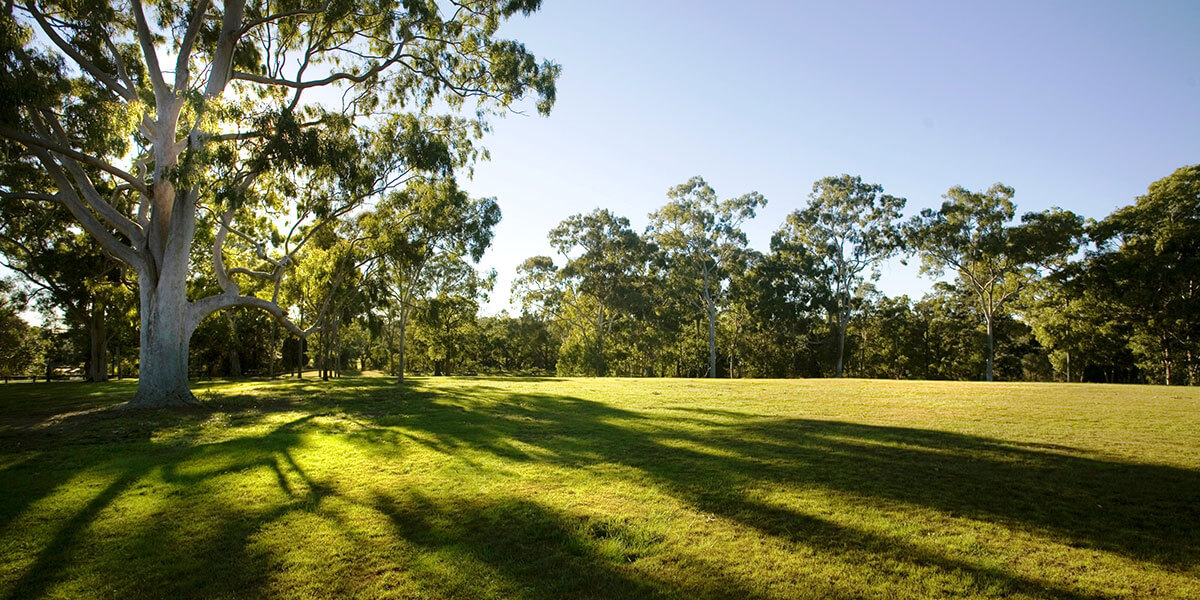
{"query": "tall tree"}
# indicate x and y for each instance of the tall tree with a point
(208, 104)
(1148, 264)
(702, 243)
(411, 228)
(606, 263)
(972, 235)
(849, 227)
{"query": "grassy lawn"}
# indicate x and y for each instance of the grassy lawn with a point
(613, 488)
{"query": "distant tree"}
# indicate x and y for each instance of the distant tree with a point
(1148, 263)
(1077, 325)
(849, 227)
(445, 320)
(521, 344)
(702, 244)
(945, 348)
(887, 340)
(65, 267)
(971, 235)
(606, 269)
(782, 293)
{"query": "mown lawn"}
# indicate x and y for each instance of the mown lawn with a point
(614, 488)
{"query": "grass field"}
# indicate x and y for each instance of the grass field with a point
(613, 488)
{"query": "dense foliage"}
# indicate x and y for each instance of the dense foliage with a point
(394, 289)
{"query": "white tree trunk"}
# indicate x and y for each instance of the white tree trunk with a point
(841, 350)
(167, 317)
(400, 353)
(166, 332)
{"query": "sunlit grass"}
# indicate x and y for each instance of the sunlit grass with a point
(607, 488)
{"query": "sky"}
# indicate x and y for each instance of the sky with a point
(1079, 105)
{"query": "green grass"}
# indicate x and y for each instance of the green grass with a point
(613, 488)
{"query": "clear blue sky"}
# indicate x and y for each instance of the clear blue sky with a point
(1075, 104)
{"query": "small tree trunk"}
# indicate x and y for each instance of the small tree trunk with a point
(601, 365)
(324, 354)
(990, 349)
(400, 353)
(841, 352)
(235, 360)
(98, 342)
(712, 331)
(336, 348)
(1166, 363)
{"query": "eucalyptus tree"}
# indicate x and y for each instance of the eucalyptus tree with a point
(1148, 264)
(605, 262)
(702, 244)
(1078, 325)
(444, 319)
(411, 228)
(331, 272)
(849, 227)
(972, 235)
(218, 115)
(536, 287)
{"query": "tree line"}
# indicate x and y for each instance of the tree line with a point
(1048, 296)
(395, 288)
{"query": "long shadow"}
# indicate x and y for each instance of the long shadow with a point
(534, 551)
(709, 459)
(1146, 512)
(235, 455)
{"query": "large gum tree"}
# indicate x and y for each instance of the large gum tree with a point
(152, 120)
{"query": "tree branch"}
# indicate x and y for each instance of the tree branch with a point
(88, 66)
(33, 141)
(90, 223)
(227, 286)
(146, 40)
(182, 71)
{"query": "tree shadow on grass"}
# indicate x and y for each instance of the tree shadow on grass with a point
(1146, 512)
(189, 545)
(193, 546)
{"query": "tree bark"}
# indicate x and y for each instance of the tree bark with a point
(600, 365)
(711, 305)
